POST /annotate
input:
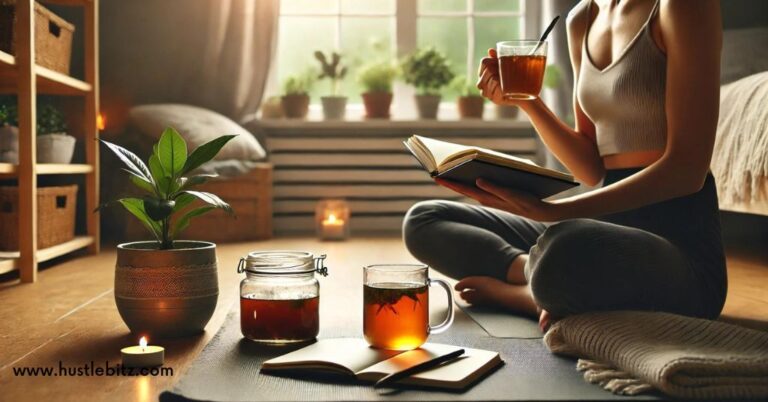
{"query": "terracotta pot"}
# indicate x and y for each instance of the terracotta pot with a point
(166, 293)
(506, 112)
(334, 107)
(377, 104)
(295, 106)
(55, 148)
(470, 107)
(428, 105)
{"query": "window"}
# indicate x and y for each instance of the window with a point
(366, 30)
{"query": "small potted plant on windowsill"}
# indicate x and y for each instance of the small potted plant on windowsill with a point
(334, 106)
(9, 133)
(377, 79)
(469, 103)
(295, 99)
(167, 287)
(53, 143)
(428, 70)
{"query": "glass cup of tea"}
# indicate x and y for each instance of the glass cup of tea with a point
(521, 68)
(396, 306)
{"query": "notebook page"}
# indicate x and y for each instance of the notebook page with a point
(352, 354)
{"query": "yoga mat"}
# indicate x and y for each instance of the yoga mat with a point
(501, 324)
(228, 370)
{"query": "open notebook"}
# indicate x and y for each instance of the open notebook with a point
(353, 357)
(466, 164)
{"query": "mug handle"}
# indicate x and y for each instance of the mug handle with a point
(449, 318)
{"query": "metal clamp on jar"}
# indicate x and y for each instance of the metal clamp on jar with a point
(280, 296)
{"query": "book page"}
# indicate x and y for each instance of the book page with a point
(425, 353)
(442, 151)
(341, 354)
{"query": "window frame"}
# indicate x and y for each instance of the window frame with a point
(404, 18)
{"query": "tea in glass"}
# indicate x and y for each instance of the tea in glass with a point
(279, 320)
(521, 68)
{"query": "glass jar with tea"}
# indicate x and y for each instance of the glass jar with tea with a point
(280, 296)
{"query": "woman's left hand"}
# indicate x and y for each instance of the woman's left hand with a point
(492, 195)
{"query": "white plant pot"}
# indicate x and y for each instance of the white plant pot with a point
(55, 148)
(9, 144)
(334, 107)
(427, 106)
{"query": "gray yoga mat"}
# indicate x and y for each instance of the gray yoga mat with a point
(501, 324)
(228, 370)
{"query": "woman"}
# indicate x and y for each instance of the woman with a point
(646, 95)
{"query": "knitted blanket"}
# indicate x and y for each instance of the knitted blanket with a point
(740, 157)
(634, 352)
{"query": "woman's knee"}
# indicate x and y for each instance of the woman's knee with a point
(420, 219)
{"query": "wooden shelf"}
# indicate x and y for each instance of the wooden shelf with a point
(8, 258)
(48, 81)
(7, 169)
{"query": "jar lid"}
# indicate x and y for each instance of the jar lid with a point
(282, 262)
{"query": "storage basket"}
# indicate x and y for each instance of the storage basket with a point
(56, 208)
(53, 36)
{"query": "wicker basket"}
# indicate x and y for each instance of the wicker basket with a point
(56, 208)
(53, 36)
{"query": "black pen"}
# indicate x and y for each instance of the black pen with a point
(418, 368)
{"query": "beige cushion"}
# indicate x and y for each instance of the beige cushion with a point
(197, 126)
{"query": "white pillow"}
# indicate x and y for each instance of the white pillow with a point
(197, 126)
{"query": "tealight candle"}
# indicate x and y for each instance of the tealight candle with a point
(143, 355)
(333, 227)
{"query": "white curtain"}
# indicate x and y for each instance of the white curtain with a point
(210, 53)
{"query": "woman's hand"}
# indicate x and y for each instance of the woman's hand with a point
(489, 82)
(518, 203)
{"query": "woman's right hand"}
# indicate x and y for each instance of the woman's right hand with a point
(489, 82)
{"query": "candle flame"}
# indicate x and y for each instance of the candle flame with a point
(143, 342)
(101, 121)
(331, 218)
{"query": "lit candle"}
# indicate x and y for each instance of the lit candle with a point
(143, 355)
(333, 227)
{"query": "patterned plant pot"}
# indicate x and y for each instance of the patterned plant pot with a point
(166, 293)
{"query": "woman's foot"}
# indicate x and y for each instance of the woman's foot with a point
(488, 291)
(516, 270)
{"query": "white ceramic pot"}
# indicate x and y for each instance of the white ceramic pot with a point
(427, 106)
(55, 148)
(9, 144)
(334, 107)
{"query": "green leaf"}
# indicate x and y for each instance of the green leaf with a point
(183, 223)
(196, 180)
(206, 152)
(143, 184)
(156, 170)
(136, 207)
(168, 186)
(172, 151)
(210, 199)
(182, 200)
(133, 162)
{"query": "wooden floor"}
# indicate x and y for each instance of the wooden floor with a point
(69, 315)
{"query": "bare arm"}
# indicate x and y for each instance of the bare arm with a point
(575, 148)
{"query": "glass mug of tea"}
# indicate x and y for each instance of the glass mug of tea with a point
(396, 306)
(521, 68)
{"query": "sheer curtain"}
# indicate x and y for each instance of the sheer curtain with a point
(210, 53)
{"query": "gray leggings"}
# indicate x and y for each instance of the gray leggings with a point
(664, 257)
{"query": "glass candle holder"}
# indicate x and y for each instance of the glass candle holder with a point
(332, 219)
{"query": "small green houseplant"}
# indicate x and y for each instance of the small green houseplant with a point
(145, 270)
(469, 103)
(376, 80)
(428, 70)
(9, 133)
(53, 143)
(334, 106)
(295, 99)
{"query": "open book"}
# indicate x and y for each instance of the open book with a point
(354, 357)
(465, 164)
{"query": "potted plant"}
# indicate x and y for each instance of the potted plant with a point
(9, 133)
(428, 70)
(470, 103)
(295, 99)
(167, 287)
(53, 143)
(377, 79)
(334, 106)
